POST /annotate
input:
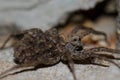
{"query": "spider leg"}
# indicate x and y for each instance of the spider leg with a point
(101, 58)
(95, 58)
(100, 64)
(70, 63)
(109, 60)
(14, 73)
(103, 49)
(113, 62)
(6, 41)
(18, 36)
(71, 67)
(110, 56)
(88, 31)
(17, 67)
(6, 73)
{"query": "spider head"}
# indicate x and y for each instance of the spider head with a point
(76, 41)
(74, 44)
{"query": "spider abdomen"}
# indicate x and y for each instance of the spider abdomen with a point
(37, 47)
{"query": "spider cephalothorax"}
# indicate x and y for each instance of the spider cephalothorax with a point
(35, 48)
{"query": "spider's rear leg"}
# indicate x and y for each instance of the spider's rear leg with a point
(87, 32)
(14, 68)
(6, 41)
(18, 36)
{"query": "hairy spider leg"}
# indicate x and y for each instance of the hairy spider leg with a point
(6, 41)
(103, 49)
(106, 59)
(87, 32)
(6, 73)
(17, 67)
(71, 65)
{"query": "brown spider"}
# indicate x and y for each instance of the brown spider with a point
(35, 48)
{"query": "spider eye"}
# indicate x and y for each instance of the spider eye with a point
(74, 39)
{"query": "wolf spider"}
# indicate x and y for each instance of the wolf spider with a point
(35, 48)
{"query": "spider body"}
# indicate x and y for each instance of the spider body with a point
(34, 47)
(37, 47)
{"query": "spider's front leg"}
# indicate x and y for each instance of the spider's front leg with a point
(100, 59)
(104, 49)
(66, 57)
(87, 32)
(86, 57)
(97, 58)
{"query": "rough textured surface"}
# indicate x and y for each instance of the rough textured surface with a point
(59, 71)
(40, 13)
